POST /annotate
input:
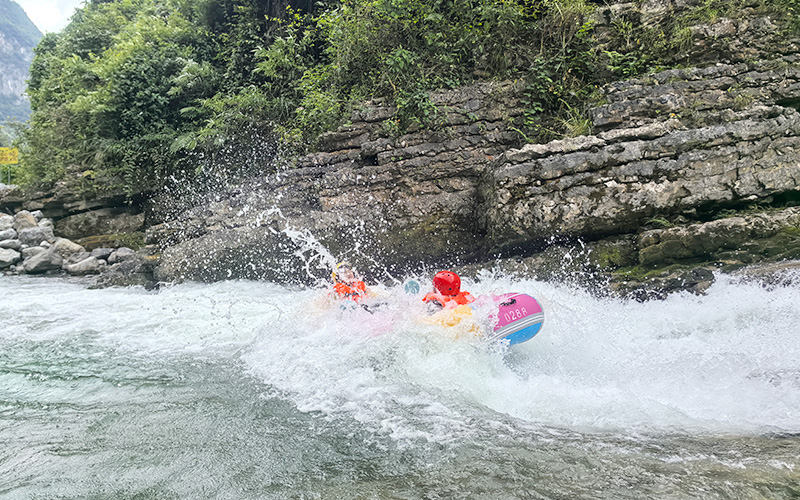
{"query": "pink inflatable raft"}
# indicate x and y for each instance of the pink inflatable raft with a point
(519, 318)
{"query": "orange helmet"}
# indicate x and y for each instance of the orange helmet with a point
(447, 283)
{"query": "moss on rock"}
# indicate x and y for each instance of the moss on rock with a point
(131, 240)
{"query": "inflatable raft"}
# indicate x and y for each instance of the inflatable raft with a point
(519, 318)
(513, 317)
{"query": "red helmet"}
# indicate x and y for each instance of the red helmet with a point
(447, 283)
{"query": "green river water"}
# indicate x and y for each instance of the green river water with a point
(248, 390)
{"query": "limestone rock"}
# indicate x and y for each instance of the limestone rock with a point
(77, 257)
(102, 253)
(120, 254)
(7, 234)
(8, 257)
(29, 252)
(101, 221)
(24, 220)
(615, 189)
(33, 236)
(48, 260)
(6, 222)
(774, 234)
(12, 244)
(65, 247)
(90, 265)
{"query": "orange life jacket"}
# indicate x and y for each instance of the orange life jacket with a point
(355, 291)
(449, 301)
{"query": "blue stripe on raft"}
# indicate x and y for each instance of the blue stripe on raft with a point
(530, 325)
(523, 335)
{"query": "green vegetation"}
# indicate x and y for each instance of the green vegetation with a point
(5, 137)
(135, 92)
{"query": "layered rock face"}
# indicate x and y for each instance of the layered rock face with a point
(616, 181)
(103, 221)
(368, 196)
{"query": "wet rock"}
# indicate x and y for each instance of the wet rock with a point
(33, 236)
(12, 244)
(770, 275)
(49, 260)
(90, 265)
(8, 257)
(136, 270)
(657, 286)
(774, 232)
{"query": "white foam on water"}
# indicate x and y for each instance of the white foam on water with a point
(725, 362)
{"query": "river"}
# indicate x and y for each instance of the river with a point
(251, 390)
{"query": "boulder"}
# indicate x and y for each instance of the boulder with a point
(77, 257)
(102, 253)
(29, 252)
(49, 260)
(7, 234)
(121, 254)
(8, 257)
(24, 220)
(136, 270)
(12, 244)
(66, 247)
(35, 235)
(90, 265)
(6, 222)
(38, 215)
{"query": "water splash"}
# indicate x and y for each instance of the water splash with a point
(724, 362)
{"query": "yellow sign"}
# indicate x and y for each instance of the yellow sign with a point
(9, 156)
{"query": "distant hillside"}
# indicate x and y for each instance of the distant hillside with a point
(18, 37)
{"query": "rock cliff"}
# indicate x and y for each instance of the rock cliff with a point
(697, 166)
